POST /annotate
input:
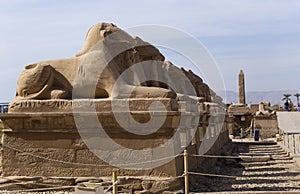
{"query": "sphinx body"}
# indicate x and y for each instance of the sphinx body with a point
(108, 51)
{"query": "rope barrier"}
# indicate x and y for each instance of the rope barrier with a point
(84, 164)
(168, 178)
(213, 175)
(54, 160)
(150, 161)
(71, 187)
(110, 187)
(115, 184)
(215, 156)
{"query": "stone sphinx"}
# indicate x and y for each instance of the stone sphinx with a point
(59, 105)
(56, 79)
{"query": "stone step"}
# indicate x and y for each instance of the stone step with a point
(253, 164)
(255, 158)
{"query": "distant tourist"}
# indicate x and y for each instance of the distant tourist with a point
(286, 105)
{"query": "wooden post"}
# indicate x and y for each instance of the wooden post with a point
(297, 142)
(114, 180)
(294, 144)
(288, 141)
(186, 170)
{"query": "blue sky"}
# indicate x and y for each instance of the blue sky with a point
(260, 37)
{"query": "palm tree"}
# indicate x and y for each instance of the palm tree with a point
(286, 97)
(297, 96)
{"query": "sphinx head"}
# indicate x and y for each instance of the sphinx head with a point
(99, 32)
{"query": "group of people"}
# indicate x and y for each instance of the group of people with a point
(289, 106)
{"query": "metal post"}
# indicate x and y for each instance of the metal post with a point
(114, 180)
(294, 144)
(186, 170)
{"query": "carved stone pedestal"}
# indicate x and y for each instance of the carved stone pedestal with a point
(47, 142)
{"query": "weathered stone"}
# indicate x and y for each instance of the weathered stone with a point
(242, 96)
(131, 183)
(60, 181)
(147, 184)
(142, 192)
(13, 179)
(41, 136)
(241, 116)
(94, 185)
(55, 79)
(88, 179)
(267, 125)
(162, 185)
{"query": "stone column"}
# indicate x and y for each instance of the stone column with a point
(242, 97)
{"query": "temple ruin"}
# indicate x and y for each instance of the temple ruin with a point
(41, 127)
(247, 118)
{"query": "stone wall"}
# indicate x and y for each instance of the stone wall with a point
(56, 147)
(242, 117)
(267, 124)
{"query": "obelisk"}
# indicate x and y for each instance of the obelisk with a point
(242, 97)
